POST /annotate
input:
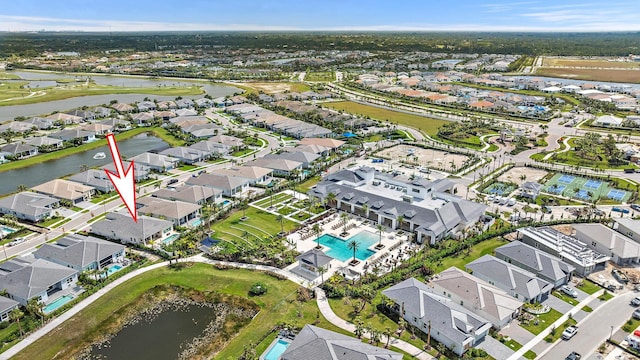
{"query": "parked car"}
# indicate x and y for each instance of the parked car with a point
(611, 287)
(635, 207)
(635, 301)
(172, 181)
(569, 291)
(16, 241)
(636, 314)
(573, 356)
(546, 210)
(618, 209)
(569, 332)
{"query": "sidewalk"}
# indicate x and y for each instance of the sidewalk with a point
(540, 337)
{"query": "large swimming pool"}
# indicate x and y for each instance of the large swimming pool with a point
(170, 239)
(339, 249)
(276, 349)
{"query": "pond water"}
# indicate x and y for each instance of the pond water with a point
(162, 338)
(44, 79)
(45, 171)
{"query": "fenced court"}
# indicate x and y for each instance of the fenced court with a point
(584, 189)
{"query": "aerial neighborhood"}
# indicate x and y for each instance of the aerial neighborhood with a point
(296, 203)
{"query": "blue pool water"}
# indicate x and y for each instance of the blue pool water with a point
(5, 230)
(197, 222)
(226, 202)
(113, 269)
(170, 239)
(276, 350)
(339, 249)
(57, 303)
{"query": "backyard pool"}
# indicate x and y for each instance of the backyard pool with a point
(5, 230)
(168, 240)
(51, 307)
(226, 202)
(113, 269)
(197, 222)
(339, 249)
(275, 350)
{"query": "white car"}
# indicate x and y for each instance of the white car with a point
(635, 301)
(569, 291)
(569, 332)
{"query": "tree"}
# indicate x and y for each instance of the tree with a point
(280, 219)
(359, 330)
(22, 187)
(15, 315)
(322, 270)
(243, 206)
(317, 230)
(399, 221)
(34, 306)
(331, 199)
(353, 245)
(380, 230)
(345, 220)
(387, 332)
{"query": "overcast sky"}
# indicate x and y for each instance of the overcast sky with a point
(427, 15)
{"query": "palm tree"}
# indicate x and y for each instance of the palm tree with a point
(353, 245)
(280, 219)
(317, 231)
(359, 330)
(331, 198)
(345, 220)
(34, 306)
(387, 332)
(243, 206)
(322, 270)
(365, 209)
(399, 222)
(380, 230)
(22, 187)
(15, 315)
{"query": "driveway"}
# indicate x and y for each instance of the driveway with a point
(558, 304)
(495, 348)
(517, 333)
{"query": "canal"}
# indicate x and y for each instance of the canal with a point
(164, 337)
(45, 171)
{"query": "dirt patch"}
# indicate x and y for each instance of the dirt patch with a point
(612, 75)
(270, 88)
(430, 158)
(515, 174)
(597, 63)
(565, 229)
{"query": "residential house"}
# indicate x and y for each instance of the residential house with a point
(202, 131)
(608, 121)
(426, 208)
(311, 261)
(203, 103)
(101, 112)
(517, 282)
(326, 142)
(64, 118)
(543, 265)
(623, 250)
(628, 227)
(280, 167)
(116, 124)
(255, 174)
(476, 295)
(567, 248)
(121, 227)
(318, 343)
(194, 194)
(28, 206)
(86, 115)
(438, 316)
(184, 103)
(530, 189)
(40, 123)
(142, 118)
(305, 158)
(185, 155)
(16, 126)
(96, 179)
(164, 115)
(6, 307)
(213, 149)
(185, 112)
(65, 190)
(229, 185)
(44, 143)
(156, 162)
(183, 121)
(146, 106)
(25, 279)
(98, 129)
(73, 134)
(140, 172)
(122, 108)
(166, 105)
(227, 140)
(19, 151)
(81, 253)
(179, 212)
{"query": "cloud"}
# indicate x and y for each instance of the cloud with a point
(505, 7)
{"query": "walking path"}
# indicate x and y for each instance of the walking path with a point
(556, 325)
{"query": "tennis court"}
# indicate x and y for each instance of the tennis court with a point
(584, 189)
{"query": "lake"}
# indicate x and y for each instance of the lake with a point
(45, 171)
(160, 338)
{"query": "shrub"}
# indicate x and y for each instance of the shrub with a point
(258, 288)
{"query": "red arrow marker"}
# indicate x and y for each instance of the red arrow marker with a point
(124, 182)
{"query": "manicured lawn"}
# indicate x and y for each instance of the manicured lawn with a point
(320, 76)
(259, 219)
(159, 132)
(544, 320)
(606, 296)
(305, 186)
(61, 93)
(428, 125)
(240, 153)
(588, 286)
(186, 167)
(565, 298)
(280, 197)
(286, 210)
(587, 309)
(515, 346)
(478, 250)
(631, 325)
(277, 305)
(555, 335)
(99, 198)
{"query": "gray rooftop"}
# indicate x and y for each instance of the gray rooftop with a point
(122, 227)
(77, 250)
(543, 264)
(319, 344)
(26, 279)
(194, 194)
(315, 258)
(28, 203)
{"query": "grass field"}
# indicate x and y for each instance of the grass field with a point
(12, 96)
(598, 63)
(623, 76)
(589, 287)
(157, 131)
(8, 76)
(277, 305)
(320, 76)
(478, 250)
(428, 125)
(544, 320)
(271, 88)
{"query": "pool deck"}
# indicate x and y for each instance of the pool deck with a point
(394, 245)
